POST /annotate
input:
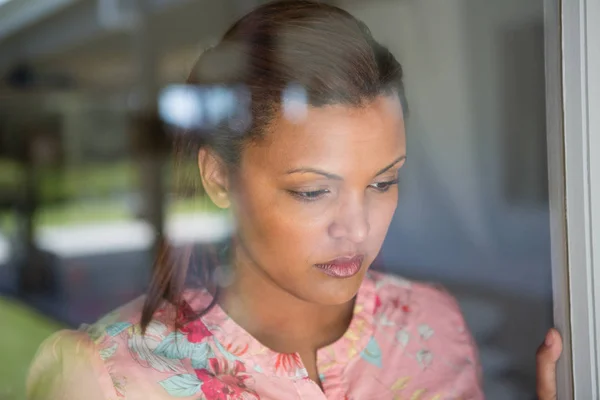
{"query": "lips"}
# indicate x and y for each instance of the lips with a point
(342, 267)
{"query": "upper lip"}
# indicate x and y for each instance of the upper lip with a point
(344, 259)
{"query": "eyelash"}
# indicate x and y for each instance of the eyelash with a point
(387, 185)
(317, 194)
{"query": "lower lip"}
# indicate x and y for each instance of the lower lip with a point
(342, 269)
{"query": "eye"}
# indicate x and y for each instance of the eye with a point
(310, 195)
(384, 186)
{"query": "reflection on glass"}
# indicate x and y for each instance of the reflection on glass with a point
(75, 234)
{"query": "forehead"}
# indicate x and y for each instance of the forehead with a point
(336, 137)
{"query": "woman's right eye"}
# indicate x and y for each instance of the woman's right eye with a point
(309, 195)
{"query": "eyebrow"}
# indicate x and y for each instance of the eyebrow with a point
(329, 175)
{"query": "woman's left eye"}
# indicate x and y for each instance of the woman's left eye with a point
(384, 186)
(310, 195)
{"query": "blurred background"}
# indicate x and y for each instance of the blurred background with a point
(87, 187)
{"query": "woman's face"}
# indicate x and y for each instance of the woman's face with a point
(315, 198)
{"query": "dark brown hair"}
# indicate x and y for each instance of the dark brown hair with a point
(322, 51)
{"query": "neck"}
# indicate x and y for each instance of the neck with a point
(278, 319)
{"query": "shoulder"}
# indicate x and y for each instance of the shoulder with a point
(72, 362)
(154, 361)
(110, 358)
(399, 297)
(67, 365)
(91, 362)
(424, 322)
(424, 311)
(419, 313)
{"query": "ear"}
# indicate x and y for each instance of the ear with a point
(214, 177)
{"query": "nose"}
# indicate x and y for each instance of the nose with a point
(351, 222)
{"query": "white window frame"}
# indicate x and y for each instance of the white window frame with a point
(573, 104)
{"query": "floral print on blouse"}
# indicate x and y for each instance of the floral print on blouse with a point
(406, 341)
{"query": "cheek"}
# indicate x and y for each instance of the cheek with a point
(275, 224)
(298, 229)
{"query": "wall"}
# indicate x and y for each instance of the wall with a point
(473, 210)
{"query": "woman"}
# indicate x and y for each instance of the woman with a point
(309, 172)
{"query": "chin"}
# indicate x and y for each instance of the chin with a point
(335, 291)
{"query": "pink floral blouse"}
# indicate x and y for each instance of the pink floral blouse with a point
(406, 341)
